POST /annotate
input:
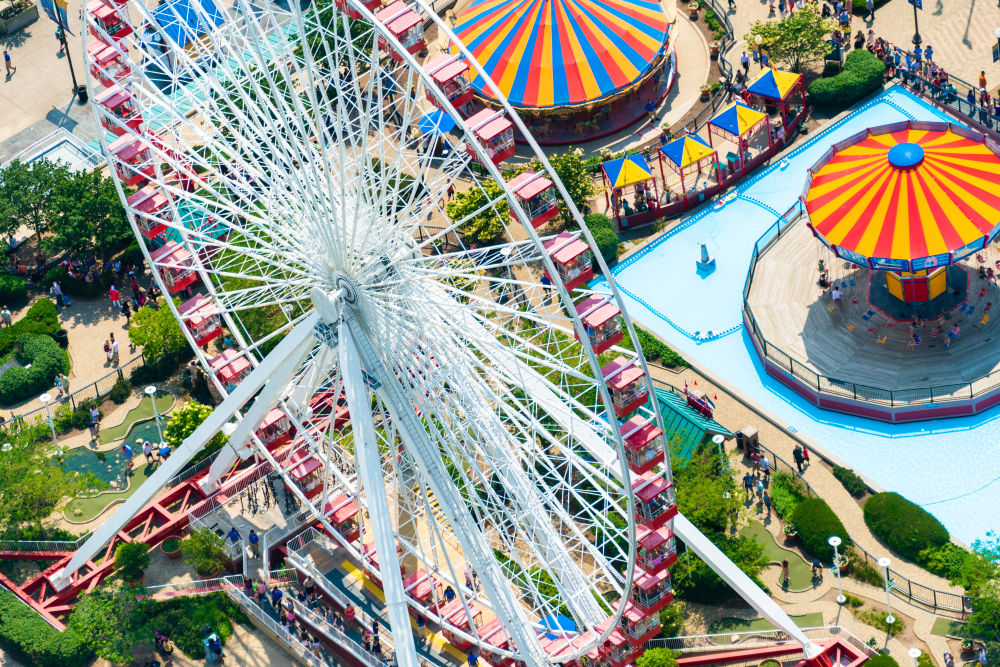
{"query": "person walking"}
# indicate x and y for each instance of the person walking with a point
(114, 350)
(64, 383)
(745, 62)
(805, 455)
(767, 503)
(870, 9)
(116, 297)
(421, 629)
(127, 454)
(127, 312)
(797, 455)
(6, 61)
(982, 78)
(56, 291)
(253, 539)
(59, 387)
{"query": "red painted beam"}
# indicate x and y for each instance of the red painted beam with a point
(740, 656)
(32, 555)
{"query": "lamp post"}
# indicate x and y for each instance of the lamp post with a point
(917, 4)
(718, 439)
(835, 542)
(915, 653)
(151, 392)
(46, 398)
(884, 564)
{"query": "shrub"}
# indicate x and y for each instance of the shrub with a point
(882, 661)
(32, 641)
(184, 616)
(13, 289)
(67, 419)
(905, 527)
(131, 559)
(863, 74)
(204, 551)
(46, 359)
(851, 481)
(653, 348)
(602, 228)
(787, 491)
(816, 523)
(120, 392)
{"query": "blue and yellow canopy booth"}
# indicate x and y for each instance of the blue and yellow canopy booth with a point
(780, 92)
(688, 156)
(744, 127)
(630, 174)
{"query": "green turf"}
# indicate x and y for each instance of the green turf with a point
(164, 402)
(799, 572)
(729, 624)
(945, 626)
(92, 506)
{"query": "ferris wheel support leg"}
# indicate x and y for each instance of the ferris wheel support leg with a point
(239, 446)
(741, 583)
(370, 471)
(185, 451)
(428, 461)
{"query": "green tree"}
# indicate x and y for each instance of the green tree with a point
(672, 620)
(488, 209)
(795, 40)
(157, 332)
(32, 482)
(204, 551)
(657, 657)
(25, 189)
(708, 499)
(183, 422)
(575, 177)
(109, 620)
(86, 216)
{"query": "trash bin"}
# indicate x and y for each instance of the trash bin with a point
(81, 93)
(62, 338)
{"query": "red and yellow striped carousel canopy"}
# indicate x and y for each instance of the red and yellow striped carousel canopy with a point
(909, 199)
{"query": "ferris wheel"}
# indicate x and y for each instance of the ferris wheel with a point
(291, 174)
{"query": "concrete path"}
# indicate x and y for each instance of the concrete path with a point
(962, 33)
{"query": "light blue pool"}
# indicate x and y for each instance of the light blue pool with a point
(951, 467)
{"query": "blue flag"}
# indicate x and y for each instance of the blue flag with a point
(51, 7)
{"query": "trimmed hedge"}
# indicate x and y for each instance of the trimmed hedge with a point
(816, 523)
(13, 289)
(603, 230)
(905, 527)
(882, 660)
(851, 481)
(32, 641)
(787, 491)
(41, 318)
(121, 391)
(46, 360)
(653, 348)
(863, 74)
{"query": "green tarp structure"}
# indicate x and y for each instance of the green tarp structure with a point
(685, 427)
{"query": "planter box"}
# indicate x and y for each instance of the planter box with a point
(15, 23)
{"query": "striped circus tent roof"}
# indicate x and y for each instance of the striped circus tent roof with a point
(909, 199)
(544, 53)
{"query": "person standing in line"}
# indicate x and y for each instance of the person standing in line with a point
(6, 61)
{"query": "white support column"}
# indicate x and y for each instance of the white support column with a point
(238, 446)
(369, 464)
(185, 452)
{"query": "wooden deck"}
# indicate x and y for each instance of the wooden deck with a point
(799, 318)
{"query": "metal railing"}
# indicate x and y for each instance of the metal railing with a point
(834, 387)
(755, 639)
(44, 545)
(291, 643)
(936, 601)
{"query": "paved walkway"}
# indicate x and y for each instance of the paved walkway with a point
(962, 33)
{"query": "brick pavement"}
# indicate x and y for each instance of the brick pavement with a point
(962, 33)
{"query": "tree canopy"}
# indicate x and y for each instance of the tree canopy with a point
(86, 216)
(795, 40)
(575, 177)
(657, 657)
(183, 422)
(487, 223)
(110, 621)
(25, 190)
(157, 332)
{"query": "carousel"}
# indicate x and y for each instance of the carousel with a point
(570, 70)
(890, 315)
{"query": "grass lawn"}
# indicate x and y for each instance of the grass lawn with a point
(945, 626)
(164, 403)
(729, 624)
(90, 507)
(799, 572)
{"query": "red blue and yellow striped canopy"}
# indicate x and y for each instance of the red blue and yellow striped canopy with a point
(908, 199)
(545, 53)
